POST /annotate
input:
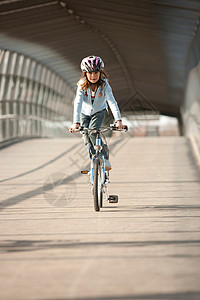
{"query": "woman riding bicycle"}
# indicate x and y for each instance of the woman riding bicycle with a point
(90, 105)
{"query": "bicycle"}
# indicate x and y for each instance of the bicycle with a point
(99, 177)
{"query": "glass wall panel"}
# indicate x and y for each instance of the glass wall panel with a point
(43, 75)
(11, 63)
(6, 86)
(25, 67)
(52, 84)
(10, 84)
(29, 90)
(1, 56)
(32, 70)
(32, 94)
(4, 62)
(35, 92)
(56, 86)
(19, 65)
(45, 97)
(38, 73)
(40, 94)
(60, 87)
(2, 85)
(24, 90)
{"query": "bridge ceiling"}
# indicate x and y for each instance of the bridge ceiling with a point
(144, 43)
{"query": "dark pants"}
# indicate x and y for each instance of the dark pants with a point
(93, 122)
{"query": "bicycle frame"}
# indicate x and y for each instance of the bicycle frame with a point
(98, 156)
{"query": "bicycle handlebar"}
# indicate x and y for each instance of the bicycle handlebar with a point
(112, 128)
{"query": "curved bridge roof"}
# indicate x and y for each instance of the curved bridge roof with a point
(144, 44)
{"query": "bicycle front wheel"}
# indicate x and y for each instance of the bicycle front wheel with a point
(97, 186)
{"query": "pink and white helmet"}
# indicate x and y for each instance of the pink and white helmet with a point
(92, 64)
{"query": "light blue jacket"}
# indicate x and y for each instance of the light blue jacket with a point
(83, 103)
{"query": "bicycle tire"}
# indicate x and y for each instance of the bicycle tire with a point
(101, 199)
(100, 191)
(96, 186)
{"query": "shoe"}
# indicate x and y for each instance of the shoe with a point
(107, 165)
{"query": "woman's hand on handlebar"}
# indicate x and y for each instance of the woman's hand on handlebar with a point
(74, 127)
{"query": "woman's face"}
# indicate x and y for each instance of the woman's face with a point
(93, 77)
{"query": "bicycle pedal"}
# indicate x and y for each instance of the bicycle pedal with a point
(113, 199)
(84, 172)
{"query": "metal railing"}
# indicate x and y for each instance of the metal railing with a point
(14, 126)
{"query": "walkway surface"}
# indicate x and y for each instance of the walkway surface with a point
(55, 246)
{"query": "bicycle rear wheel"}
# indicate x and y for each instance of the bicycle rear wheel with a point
(97, 186)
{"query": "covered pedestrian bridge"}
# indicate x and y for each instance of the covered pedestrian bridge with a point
(150, 48)
(53, 244)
